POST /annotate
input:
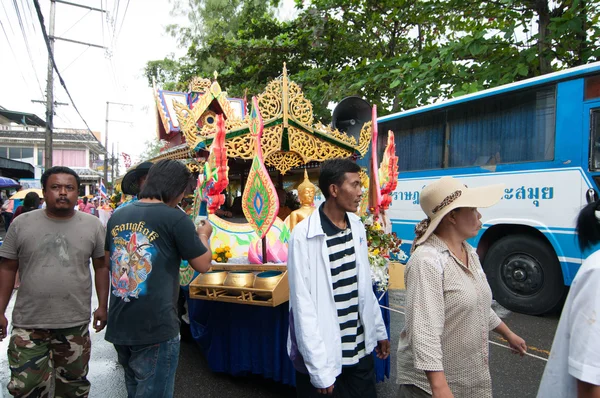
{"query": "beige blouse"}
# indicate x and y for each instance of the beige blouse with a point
(448, 319)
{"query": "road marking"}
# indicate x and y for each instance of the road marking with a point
(489, 341)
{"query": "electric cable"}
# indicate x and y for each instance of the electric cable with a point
(122, 21)
(27, 45)
(55, 67)
(15, 57)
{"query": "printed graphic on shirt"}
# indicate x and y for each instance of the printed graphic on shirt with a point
(132, 255)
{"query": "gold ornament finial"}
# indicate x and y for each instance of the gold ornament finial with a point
(216, 74)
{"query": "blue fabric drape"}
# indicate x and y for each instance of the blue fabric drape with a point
(518, 128)
(245, 339)
(419, 142)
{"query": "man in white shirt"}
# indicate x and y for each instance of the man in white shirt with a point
(335, 320)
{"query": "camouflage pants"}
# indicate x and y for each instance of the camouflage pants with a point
(40, 357)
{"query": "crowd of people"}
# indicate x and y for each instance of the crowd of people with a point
(335, 320)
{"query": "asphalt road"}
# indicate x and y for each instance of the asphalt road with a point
(512, 376)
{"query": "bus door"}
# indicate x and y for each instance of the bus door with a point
(592, 125)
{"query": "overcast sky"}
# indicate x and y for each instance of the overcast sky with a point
(133, 31)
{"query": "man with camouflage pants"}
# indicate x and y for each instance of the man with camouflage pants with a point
(51, 248)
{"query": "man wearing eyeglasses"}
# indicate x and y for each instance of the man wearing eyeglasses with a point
(51, 248)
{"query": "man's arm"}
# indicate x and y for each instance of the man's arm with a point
(102, 282)
(8, 274)
(204, 262)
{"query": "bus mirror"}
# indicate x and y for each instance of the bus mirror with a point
(591, 195)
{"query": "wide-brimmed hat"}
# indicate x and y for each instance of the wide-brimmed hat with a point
(446, 194)
(130, 184)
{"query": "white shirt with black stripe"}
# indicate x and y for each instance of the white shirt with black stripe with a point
(342, 259)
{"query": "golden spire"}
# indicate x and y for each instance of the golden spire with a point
(306, 183)
(284, 96)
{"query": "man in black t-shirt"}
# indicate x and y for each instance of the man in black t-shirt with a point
(145, 243)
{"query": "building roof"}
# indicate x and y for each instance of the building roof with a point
(24, 118)
(15, 169)
(77, 137)
(87, 174)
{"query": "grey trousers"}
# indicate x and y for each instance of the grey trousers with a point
(410, 391)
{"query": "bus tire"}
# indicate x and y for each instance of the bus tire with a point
(525, 275)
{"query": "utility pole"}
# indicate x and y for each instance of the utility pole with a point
(50, 94)
(112, 170)
(50, 80)
(108, 103)
(106, 146)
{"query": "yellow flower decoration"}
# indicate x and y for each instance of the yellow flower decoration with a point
(219, 250)
(214, 256)
(227, 248)
(228, 255)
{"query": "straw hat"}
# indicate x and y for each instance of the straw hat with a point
(446, 194)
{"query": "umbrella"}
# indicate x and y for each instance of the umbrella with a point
(6, 182)
(21, 194)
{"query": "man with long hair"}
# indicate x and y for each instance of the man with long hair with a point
(145, 243)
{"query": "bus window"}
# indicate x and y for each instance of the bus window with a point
(595, 138)
(419, 142)
(510, 129)
(592, 87)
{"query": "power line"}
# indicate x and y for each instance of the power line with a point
(51, 54)
(76, 22)
(116, 19)
(27, 45)
(15, 56)
(102, 23)
(76, 58)
(122, 21)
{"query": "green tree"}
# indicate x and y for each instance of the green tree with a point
(152, 149)
(398, 54)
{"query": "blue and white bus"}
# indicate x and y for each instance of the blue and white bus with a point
(541, 138)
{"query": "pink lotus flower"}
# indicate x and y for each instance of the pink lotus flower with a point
(277, 252)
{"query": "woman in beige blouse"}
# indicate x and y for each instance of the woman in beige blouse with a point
(443, 349)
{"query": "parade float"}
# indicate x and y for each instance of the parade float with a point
(238, 311)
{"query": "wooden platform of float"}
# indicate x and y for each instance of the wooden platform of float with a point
(272, 297)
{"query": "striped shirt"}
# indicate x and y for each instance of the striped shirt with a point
(342, 260)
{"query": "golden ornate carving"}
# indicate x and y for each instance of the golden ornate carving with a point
(284, 161)
(335, 133)
(187, 122)
(179, 152)
(284, 109)
(270, 101)
(199, 85)
(300, 107)
(313, 149)
(195, 166)
(240, 147)
(364, 139)
(271, 139)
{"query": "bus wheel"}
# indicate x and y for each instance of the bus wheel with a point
(525, 275)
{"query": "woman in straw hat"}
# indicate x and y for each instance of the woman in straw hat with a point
(443, 349)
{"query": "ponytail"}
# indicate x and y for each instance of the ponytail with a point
(588, 225)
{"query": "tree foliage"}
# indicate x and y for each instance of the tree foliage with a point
(397, 54)
(152, 149)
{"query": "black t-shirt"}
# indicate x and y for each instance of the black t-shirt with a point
(146, 242)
